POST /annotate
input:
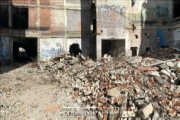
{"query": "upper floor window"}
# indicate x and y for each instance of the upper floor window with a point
(20, 18)
(4, 16)
(176, 8)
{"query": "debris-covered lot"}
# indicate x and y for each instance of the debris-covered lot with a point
(134, 88)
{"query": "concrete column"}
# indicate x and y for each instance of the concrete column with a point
(98, 47)
(10, 30)
(65, 35)
(127, 44)
(38, 25)
(38, 49)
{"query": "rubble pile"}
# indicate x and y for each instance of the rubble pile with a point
(115, 89)
(154, 57)
(163, 53)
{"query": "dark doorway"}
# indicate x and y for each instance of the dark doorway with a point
(134, 51)
(25, 49)
(113, 47)
(74, 50)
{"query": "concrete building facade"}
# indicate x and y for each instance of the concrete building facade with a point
(46, 28)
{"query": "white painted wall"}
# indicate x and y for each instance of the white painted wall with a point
(51, 47)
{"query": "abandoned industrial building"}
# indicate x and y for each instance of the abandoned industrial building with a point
(90, 59)
(45, 28)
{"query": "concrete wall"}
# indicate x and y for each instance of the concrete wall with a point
(111, 18)
(149, 16)
(115, 20)
(70, 21)
(54, 17)
(111, 22)
(57, 22)
(51, 47)
(176, 35)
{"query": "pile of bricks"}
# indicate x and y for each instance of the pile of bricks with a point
(117, 89)
(163, 53)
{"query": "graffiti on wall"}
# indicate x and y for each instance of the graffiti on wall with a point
(160, 13)
(50, 49)
(3, 50)
(112, 19)
(50, 53)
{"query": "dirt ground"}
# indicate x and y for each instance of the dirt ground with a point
(25, 94)
(67, 88)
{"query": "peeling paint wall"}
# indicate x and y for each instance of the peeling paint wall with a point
(115, 20)
(111, 21)
(111, 18)
(51, 47)
(69, 22)
(149, 16)
(151, 12)
(58, 20)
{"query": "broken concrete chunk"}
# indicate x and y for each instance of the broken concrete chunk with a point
(125, 114)
(178, 89)
(146, 111)
(177, 66)
(172, 81)
(67, 57)
(122, 71)
(82, 56)
(79, 101)
(163, 66)
(140, 102)
(160, 80)
(136, 59)
(172, 88)
(153, 73)
(165, 72)
(114, 113)
(61, 66)
(164, 77)
(155, 116)
(137, 90)
(131, 114)
(100, 115)
(114, 92)
(170, 64)
(87, 92)
(173, 74)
